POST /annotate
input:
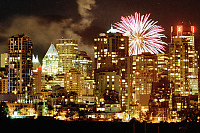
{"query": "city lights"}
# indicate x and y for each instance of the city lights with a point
(132, 74)
(100, 66)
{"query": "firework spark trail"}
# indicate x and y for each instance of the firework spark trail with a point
(144, 35)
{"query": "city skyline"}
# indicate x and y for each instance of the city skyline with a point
(146, 86)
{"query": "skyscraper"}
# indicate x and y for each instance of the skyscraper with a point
(145, 73)
(67, 50)
(162, 65)
(112, 48)
(74, 82)
(83, 64)
(183, 71)
(107, 79)
(37, 70)
(20, 65)
(50, 63)
(4, 59)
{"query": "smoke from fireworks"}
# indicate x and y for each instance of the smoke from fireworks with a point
(144, 35)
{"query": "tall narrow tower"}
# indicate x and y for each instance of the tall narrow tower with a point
(20, 65)
(111, 48)
(183, 71)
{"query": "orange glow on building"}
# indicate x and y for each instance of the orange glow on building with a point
(179, 28)
(192, 29)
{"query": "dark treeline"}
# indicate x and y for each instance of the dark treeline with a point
(51, 125)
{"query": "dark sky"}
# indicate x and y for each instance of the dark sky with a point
(46, 20)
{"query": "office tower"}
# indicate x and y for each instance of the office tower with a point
(37, 70)
(183, 67)
(50, 63)
(4, 59)
(144, 74)
(20, 65)
(67, 50)
(74, 82)
(83, 64)
(112, 48)
(145, 69)
(3, 79)
(108, 79)
(162, 65)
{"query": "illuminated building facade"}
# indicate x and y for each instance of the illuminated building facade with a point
(88, 92)
(4, 59)
(20, 65)
(49, 82)
(112, 48)
(162, 65)
(37, 71)
(183, 67)
(50, 63)
(67, 50)
(144, 74)
(107, 79)
(3, 85)
(145, 68)
(83, 64)
(74, 82)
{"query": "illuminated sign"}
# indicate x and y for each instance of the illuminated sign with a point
(179, 28)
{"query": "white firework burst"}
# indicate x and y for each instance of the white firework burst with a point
(144, 35)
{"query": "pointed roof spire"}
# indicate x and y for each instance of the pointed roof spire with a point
(52, 51)
(112, 30)
(35, 59)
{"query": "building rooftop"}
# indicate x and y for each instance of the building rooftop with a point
(52, 51)
(112, 30)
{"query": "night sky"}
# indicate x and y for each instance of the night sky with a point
(46, 20)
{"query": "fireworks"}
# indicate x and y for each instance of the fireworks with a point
(144, 35)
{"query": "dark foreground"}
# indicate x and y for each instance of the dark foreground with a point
(50, 125)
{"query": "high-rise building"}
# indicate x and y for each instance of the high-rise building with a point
(83, 64)
(74, 82)
(108, 78)
(112, 48)
(20, 65)
(4, 59)
(145, 69)
(183, 65)
(37, 70)
(50, 63)
(144, 74)
(162, 65)
(67, 50)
